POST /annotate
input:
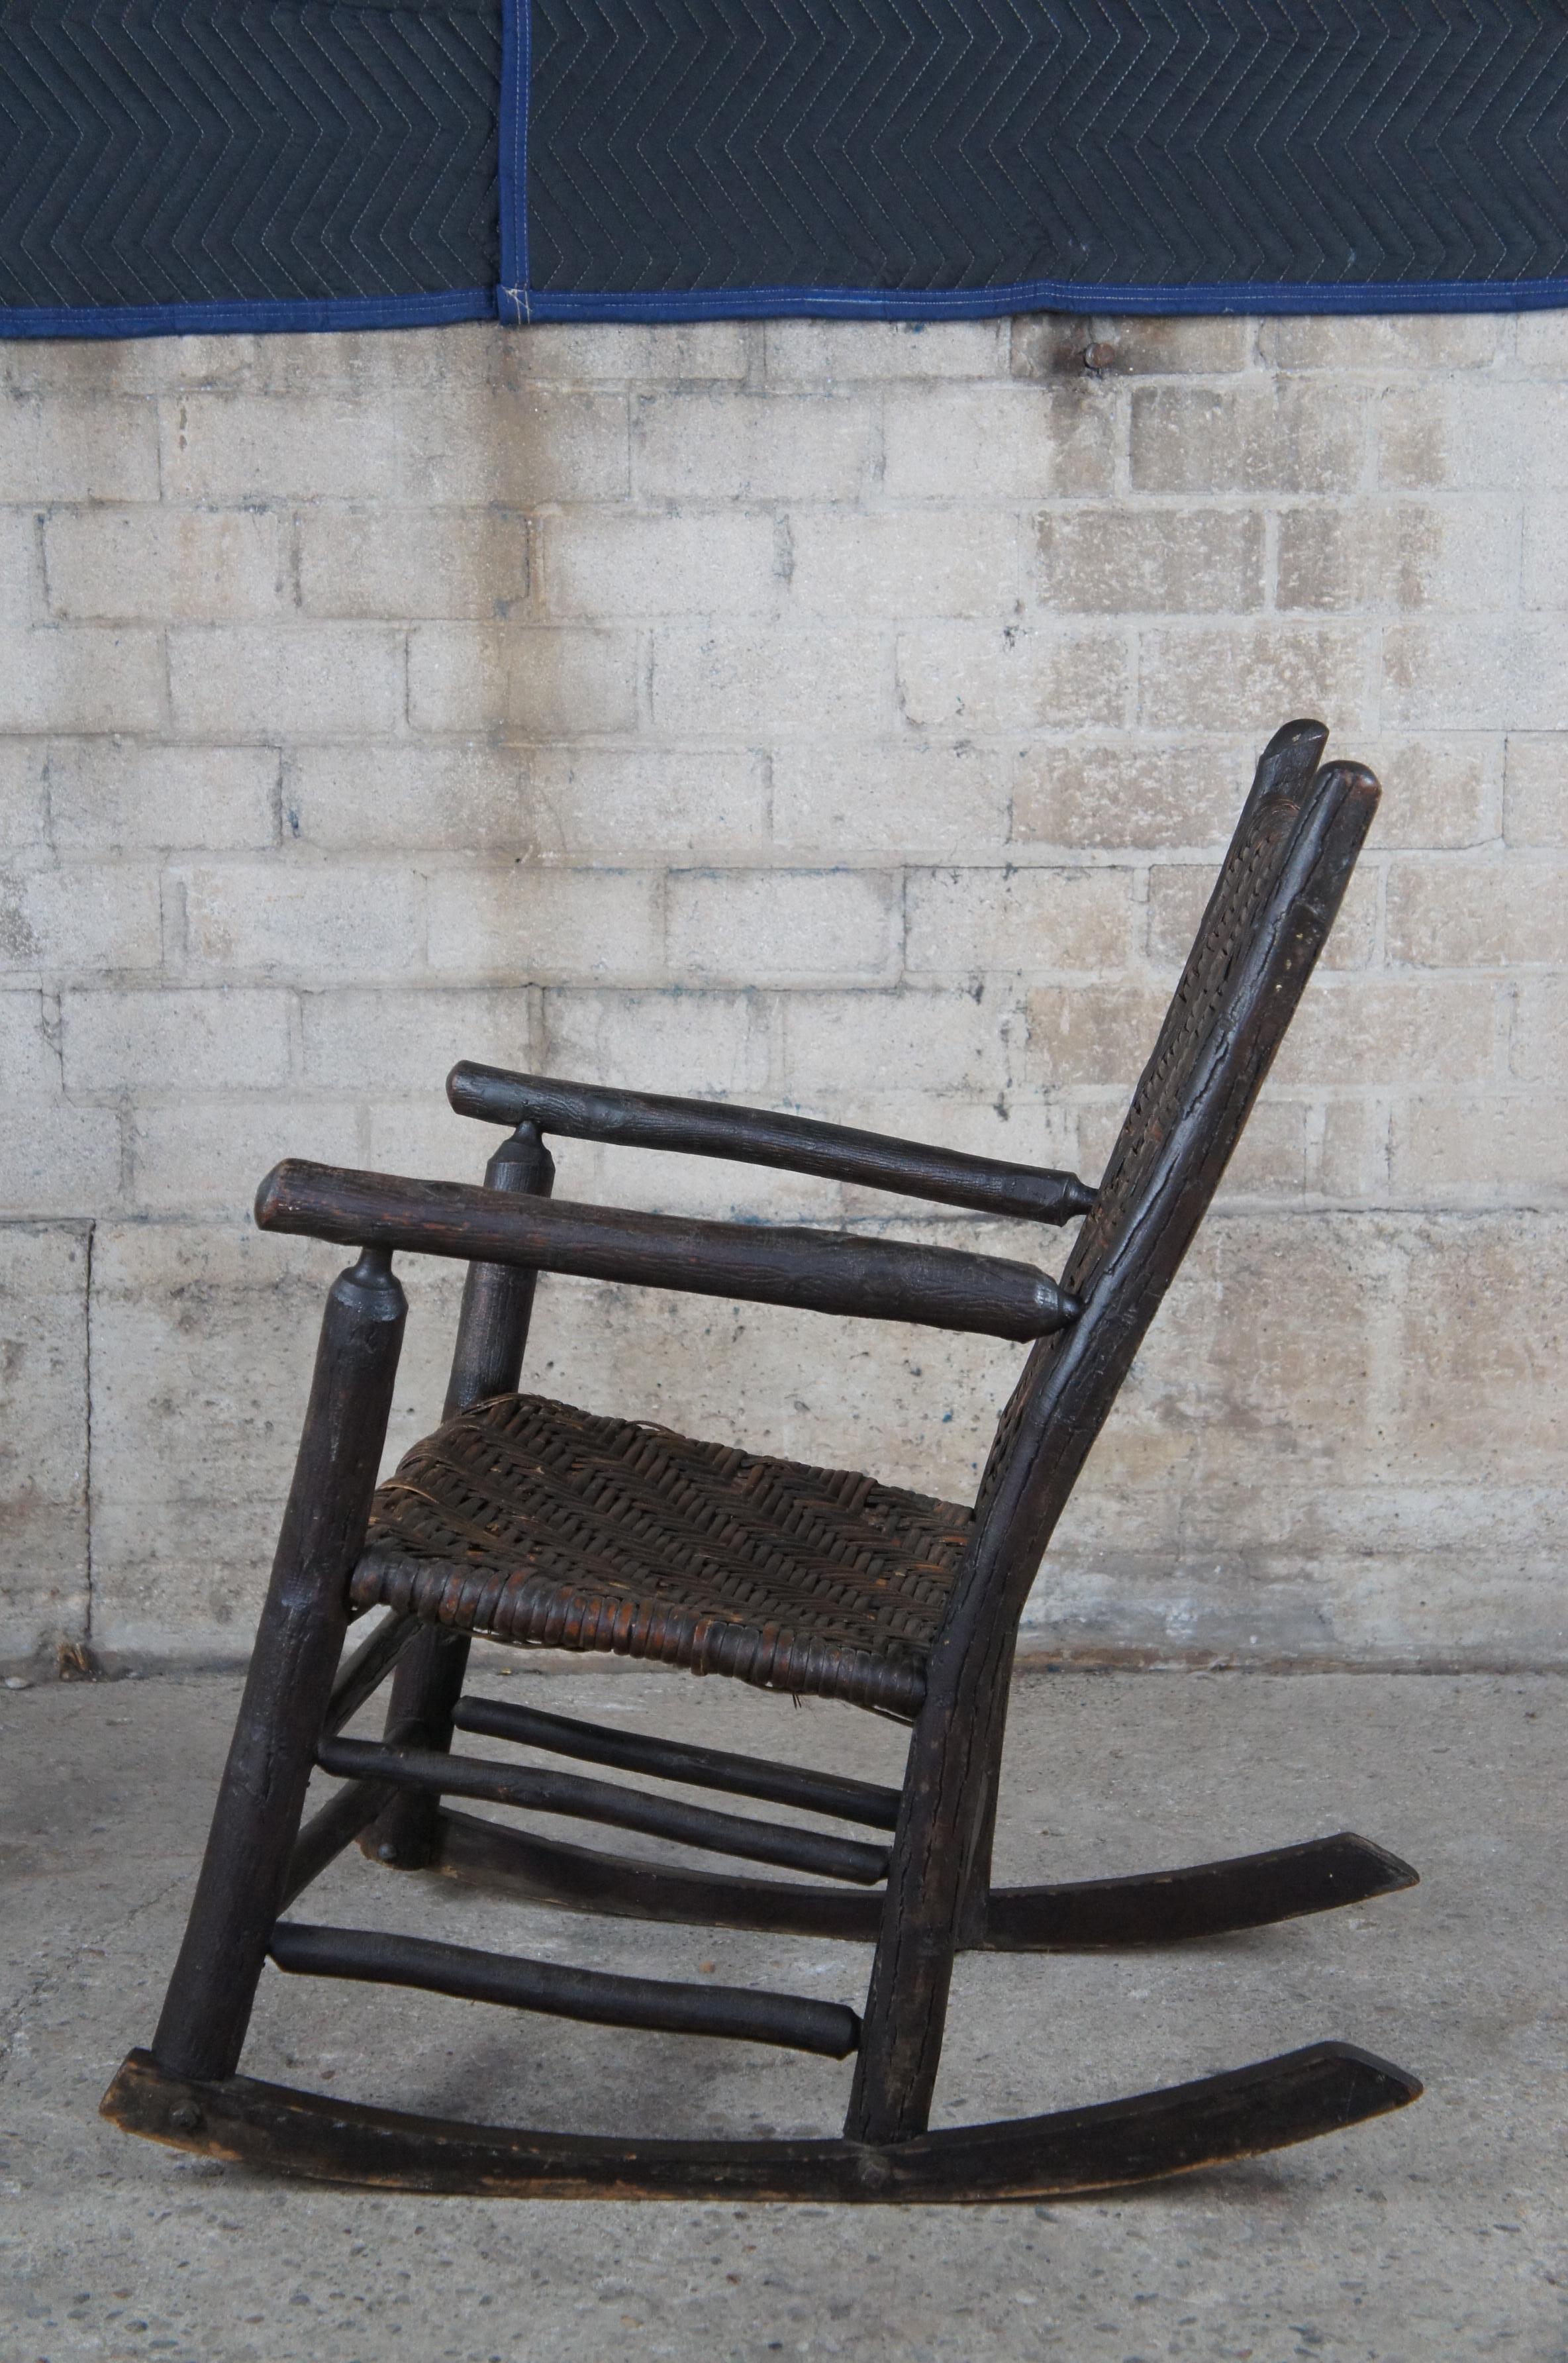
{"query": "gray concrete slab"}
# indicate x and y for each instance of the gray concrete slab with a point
(1435, 2235)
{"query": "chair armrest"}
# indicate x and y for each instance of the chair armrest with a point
(756, 1136)
(821, 1271)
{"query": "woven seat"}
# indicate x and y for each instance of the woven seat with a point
(536, 1523)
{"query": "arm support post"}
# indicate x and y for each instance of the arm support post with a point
(306, 1616)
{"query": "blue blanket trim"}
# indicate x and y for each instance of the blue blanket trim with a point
(520, 303)
(251, 317)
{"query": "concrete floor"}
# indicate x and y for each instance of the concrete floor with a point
(1434, 2234)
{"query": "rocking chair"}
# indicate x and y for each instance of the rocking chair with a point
(533, 1523)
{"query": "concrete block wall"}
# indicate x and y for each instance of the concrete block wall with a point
(840, 716)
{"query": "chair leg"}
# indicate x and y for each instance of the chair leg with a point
(941, 1826)
(492, 1332)
(298, 1644)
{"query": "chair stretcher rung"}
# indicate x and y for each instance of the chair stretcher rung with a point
(830, 2028)
(865, 1802)
(601, 1801)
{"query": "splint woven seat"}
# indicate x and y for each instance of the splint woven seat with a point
(534, 1522)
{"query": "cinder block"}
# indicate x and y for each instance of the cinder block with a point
(76, 677)
(29, 1048)
(43, 1411)
(1089, 794)
(784, 927)
(926, 1040)
(1535, 803)
(1350, 1164)
(1395, 555)
(690, 1043)
(1440, 790)
(545, 681)
(20, 578)
(1466, 434)
(226, 446)
(23, 808)
(1110, 561)
(613, 804)
(1099, 1035)
(1264, 437)
(928, 801)
(608, 563)
(1178, 896)
(210, 1156)
(1053, 344)
(1209, 678)
(512, 444)
(402, 1041)
(1449, 1361)
(203, 1339)
(748, 682)
(826, 352)
(468, 798)
(1482, 912)
(1365, 1031)
(1540, 340)
(1375, 343)
(992, 444)
(68, 448)
(756, 447)
(60, 1161)
(377, 561)
(105, 795)
(617, 352)
(256, 680)
(294, 915)
(1538, 1048)
(201, 565)
(120, 1041)
(83, 917)
(420, 1134)
(901, 562)
(1484, 1147)
(977, 677)
(1031, 921)
(548, 927)
(1544, 582)
(54, 1159)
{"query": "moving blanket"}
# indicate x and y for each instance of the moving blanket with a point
(239, 164)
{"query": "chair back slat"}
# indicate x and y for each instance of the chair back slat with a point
(1273, 905)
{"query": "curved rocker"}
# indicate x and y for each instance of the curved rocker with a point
(1319, 2089)
(535, 1522)
(1086, 1916)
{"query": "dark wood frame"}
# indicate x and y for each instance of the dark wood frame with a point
(1294, 851)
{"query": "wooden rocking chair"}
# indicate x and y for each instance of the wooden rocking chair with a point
(534, 1523)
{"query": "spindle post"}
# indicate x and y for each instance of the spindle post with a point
(492, 1332)
(298, 1642)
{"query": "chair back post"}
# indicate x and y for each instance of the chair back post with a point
(487, 1359)
(240, 1891)
(1278, 891)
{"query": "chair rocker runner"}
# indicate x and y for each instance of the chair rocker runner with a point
(535, 1523)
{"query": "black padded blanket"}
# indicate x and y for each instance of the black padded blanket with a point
(216, 165)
